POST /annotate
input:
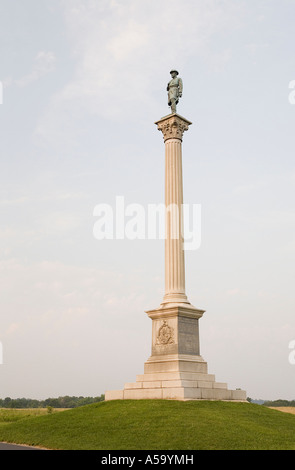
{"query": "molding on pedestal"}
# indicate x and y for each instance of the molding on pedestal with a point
(171, 310)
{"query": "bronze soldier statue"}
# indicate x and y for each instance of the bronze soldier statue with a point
(174, 89)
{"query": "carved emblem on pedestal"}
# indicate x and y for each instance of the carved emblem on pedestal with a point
(165, 334)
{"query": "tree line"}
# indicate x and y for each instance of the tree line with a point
(279, 403)
(60, 402)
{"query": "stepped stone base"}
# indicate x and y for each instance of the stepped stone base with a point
(176, 377)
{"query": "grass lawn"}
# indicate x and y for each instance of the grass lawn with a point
(154, 425)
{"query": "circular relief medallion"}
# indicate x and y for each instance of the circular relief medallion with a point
(165, 334)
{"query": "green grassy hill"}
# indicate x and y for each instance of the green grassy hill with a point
(156, 425)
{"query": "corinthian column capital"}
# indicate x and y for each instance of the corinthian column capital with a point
(173, 126)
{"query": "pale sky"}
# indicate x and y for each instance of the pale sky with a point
(83, 83)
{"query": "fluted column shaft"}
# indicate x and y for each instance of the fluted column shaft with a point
(173, 127)
(174, 254)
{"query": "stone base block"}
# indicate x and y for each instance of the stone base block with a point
(114, 395)
(176, 377)
(177, 393)
(175, 363)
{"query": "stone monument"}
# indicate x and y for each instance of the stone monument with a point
(175, 369)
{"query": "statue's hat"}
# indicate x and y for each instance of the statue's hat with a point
(173, 70)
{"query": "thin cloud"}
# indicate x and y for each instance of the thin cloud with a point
(44, 63)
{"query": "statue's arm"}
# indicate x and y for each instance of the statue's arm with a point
(180, 86)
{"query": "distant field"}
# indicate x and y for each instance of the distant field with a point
(152, 425)
(286, 409)
(10, 415)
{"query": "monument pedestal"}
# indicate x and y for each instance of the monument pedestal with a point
(175, 369)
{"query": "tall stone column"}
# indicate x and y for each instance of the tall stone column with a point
(175, 327)
(173, 128)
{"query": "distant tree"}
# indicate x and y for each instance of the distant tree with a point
(280, 402)
(7, 402)
(60, 402)
(54, 402)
